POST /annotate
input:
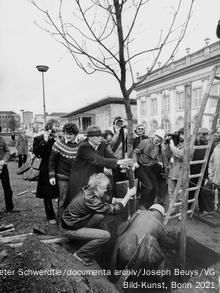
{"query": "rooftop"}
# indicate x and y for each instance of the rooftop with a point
(100, 103)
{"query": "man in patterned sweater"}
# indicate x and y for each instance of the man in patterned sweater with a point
(62, 155)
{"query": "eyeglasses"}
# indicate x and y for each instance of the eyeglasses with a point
(140, 128)
(205, 133)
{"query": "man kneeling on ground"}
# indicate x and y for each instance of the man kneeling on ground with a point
(86, 211)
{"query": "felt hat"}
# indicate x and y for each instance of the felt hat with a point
(93, 130)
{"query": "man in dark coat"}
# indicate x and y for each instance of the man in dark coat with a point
(91, 158)
(42, 147)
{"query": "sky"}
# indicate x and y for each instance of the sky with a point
(23, 46)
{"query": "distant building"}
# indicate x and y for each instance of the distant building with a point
(39, 119)
(27, 119)
(9, 120)
(57, 116)
(160, 98)
(101, 113)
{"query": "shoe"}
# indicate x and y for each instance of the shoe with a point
(207, 214)
(86, 263)
(52, 222)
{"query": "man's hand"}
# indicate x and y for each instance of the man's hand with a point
(2, 162)
(108, 172)
(135, 166)
(52, 181)
(171, 144)
(46, 136)
(125, 163)
(131, 192)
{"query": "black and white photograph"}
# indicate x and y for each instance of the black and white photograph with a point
(109, 146)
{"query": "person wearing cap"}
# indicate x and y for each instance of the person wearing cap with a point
(62, 155)
(92, 156)
(176, 161)
(84, 214)
(139, 239)
(146, 157)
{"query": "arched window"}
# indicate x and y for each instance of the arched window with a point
(154, 125)
(166, 125)
(179, 122)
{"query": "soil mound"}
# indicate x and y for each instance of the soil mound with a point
(38, 267)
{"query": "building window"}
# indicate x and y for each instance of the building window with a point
(166, 125)
(166, 104)
(179, 123)
(196, 98)
(154, 125)
(180, 101)
(215, 90)
(154, 106)
(143, 106)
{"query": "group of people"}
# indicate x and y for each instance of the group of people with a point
(82, 175)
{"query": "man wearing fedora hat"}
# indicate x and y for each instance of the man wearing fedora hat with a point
(91, 158)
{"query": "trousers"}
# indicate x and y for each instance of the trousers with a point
(4, 176)
(95, 237)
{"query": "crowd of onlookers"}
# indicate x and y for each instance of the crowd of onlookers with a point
(83, 173)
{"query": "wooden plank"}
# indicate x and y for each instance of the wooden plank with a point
(45, 241)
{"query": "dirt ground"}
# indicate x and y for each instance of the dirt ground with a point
(32, 215)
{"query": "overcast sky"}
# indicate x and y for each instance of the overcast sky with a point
(23, 45)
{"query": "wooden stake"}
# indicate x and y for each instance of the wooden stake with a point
(186, 172)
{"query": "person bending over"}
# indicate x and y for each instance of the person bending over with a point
(80, 220)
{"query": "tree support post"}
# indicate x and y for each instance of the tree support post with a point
(186, 172)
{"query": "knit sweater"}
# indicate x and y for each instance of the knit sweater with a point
(61, 158)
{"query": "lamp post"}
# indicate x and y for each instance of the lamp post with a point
(42, 69)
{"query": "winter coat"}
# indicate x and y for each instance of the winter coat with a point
(176, 162)
(214, 166)
(137, 243)
(88, 161)
(42, 149)
(22, 145)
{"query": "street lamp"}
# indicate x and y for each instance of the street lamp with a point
(42, 69)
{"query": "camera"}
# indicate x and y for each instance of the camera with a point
(174, 136)
(120, 123)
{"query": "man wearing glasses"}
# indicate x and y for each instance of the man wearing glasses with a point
(139, 135)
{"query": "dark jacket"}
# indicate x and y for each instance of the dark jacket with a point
(84, 206)
(88, 162)
(4, 150)
(137, 140)
(42, 149)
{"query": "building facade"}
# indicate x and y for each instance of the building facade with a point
(160, 98)
(9, 120)
(101, 113)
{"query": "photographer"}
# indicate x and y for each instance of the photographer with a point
(42, 147)
(176, 162)
(119, 140)
(119, 145)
